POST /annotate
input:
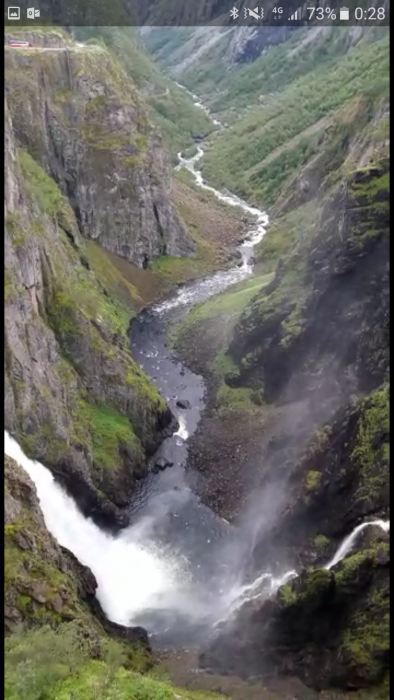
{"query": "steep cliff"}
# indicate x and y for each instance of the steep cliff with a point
(331, 628)
(44, 583)
(58, 642)
(298, 358)
(73, 395)
(79, 115)
(331, 319)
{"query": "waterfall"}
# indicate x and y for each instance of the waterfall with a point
(131, 572)
(347, 545)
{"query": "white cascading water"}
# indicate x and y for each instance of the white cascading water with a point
(218, 282)
(130, 575)
(133, 573)
(348, 543)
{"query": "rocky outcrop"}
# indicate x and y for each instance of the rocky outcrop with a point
(44, 583)
(248, 43)
(74, 397)
(344, 469)
(79, 115)
(331, 335)
(331, 628)
(314, 342)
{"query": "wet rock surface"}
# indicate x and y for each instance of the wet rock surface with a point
(183, 403)
(315, 345)
(320, 627)
(44, 582)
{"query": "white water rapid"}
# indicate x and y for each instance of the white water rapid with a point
(130, 575)
(348, 543)
(134, 574)
(197, 293)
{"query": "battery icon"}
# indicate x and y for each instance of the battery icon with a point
(344, 13)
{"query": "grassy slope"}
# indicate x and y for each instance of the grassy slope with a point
(280, 120)
(279, 105)
(58, 665)
(320, 157)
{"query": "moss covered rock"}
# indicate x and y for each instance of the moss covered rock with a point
(294, 324)
(74, 397)
(78, 113)
(341, 479)
(329, 627)
(44, 584)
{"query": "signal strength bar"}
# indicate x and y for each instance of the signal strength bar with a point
(295, 16)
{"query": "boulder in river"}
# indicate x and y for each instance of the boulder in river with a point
(161, 464)
(183, 403)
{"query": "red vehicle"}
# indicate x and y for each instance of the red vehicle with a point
(19, 44)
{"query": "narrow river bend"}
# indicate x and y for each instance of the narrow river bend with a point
(180, 524)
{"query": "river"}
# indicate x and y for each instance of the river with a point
(179, 524)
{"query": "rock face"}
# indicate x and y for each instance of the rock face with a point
(44, 584)
(315, 344)
(334, 327)
(74, 397)
(329, 627)
(79, 115)
(249, 43)
(344, 469)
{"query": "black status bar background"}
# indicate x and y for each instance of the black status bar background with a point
(189, 13)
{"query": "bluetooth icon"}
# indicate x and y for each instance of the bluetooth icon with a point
(234, 13)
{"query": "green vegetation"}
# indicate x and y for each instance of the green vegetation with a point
(34, 584)
(116, 276)
(312, 480)
(321, 543)
(216, 319)
(236, 159)
(90, 322)
(78, 291)
(267, 180)
(259, 80)
(180, 270)
(46, 664)
(371, 451)
(110, 431)
(366, 640)
(370, 192)
(363, 643)
(171, 109)
(44, 190)
(314, 584)
(212, 225)
(8, 285)
(14, 228)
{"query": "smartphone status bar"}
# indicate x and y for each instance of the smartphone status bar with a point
(160, 13)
